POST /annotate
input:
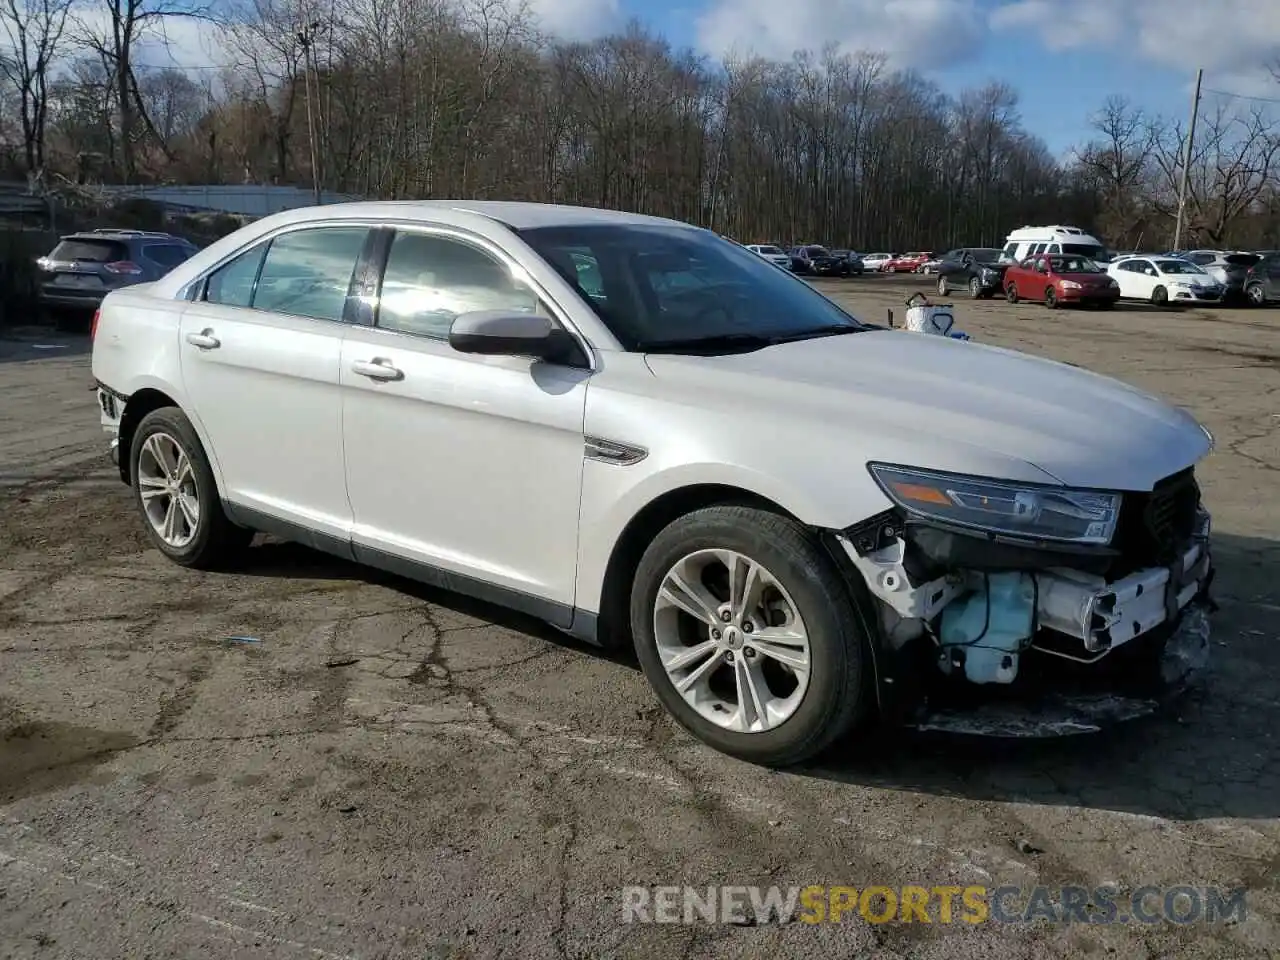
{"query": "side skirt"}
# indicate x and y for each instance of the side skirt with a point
(580, 624)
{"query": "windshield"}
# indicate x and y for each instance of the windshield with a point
(772, 251)
(1091, 250)
(817, 251)
(985, 255)
(654, 284)
(1178, 266)
(1074, 265)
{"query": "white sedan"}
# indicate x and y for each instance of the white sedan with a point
(1164, 280)
(876, 261)
(647, 436)
(775, 255)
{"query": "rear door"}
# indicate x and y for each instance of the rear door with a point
(260, 353)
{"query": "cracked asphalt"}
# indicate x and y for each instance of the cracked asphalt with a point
(311, 759)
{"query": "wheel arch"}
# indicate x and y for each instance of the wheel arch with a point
(143, 401)
(639, 532)
(613, 627)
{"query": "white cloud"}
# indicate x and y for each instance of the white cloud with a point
(912, 33)
(1236, 41)
(578, 19)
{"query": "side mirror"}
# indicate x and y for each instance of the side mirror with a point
(500, 333)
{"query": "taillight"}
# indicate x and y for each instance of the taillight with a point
(93, 327)
(123, 266)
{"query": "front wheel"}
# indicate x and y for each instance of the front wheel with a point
(944, 288)
(748, 635)
(1011, 293)
(1160, 297)
(1257, 296)
(177, 496)
(1050, 298)
(975, 288)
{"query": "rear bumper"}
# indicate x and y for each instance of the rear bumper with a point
(73, 299)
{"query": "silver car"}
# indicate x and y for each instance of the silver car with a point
(1228, 268)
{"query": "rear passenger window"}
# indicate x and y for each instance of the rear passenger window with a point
(1054, 248)
(430, 279)
(307, 273)
(232, 283)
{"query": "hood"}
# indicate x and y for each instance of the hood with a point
(944, 401)
(1089, 279)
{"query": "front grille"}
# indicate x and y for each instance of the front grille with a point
(1156, 527)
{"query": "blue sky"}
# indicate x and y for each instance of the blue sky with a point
(1063, 57)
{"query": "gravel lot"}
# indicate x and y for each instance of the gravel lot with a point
(388, 771)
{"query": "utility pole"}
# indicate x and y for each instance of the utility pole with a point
(1186, 162)
(306, 39)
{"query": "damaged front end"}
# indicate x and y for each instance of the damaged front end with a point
(998, 632)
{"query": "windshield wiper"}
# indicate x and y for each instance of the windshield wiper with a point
(721, 341)
(834, 330)
(742, 342)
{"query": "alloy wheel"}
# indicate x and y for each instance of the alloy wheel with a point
(732, 641)
(167, 486)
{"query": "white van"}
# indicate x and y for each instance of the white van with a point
(1029, 241)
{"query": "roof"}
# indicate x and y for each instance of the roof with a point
(518, 215)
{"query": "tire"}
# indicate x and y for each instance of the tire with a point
(214, 542)
(975, 288)
(1011, 293)
(1160, 297)
(944, 288)
(1106, 304)
(1050, 298)
(1256, 296)
(835, 696)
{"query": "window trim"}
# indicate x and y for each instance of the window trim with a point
(197, 289)
(378, 269)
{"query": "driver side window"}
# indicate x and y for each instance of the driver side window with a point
(430, 279)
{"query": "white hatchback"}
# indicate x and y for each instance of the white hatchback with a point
(1164, 280)
(644, 434)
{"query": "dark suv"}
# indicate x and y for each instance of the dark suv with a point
(84, 267)
(1262, 282)
(976, 269)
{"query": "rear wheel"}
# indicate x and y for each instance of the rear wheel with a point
(748, 635)
(177, 496)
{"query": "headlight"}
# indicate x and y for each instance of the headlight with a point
(1070, 285)
(1112, 283)
(995, 506)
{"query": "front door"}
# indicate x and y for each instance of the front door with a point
(260, 353)
(463, 463)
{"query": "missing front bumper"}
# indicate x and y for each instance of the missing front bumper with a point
(1182, 662)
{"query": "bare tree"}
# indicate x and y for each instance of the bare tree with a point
(34, 31)
(1235, 160)
(128, 22)
(1119, 163)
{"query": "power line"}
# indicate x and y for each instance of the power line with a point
(1242, 96)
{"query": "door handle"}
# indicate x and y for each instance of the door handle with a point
(379, 368)
(205, 339)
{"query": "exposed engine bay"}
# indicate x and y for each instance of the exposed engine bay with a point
(970, 617)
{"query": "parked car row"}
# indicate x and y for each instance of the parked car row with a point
(811, 258)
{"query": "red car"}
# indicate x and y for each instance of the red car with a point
(1057, 278)
(906, 263)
